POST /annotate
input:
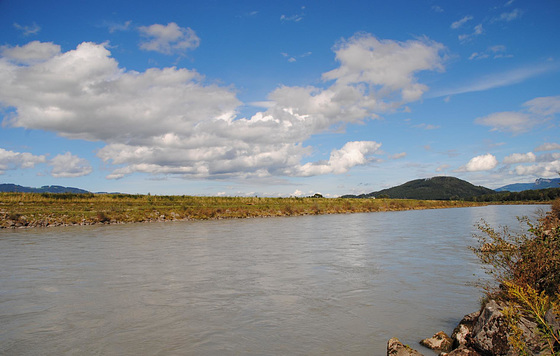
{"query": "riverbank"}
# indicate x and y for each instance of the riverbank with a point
(27, 210)
(521, 310)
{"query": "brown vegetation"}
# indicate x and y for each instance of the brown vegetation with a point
(526, 271)
(36, 210)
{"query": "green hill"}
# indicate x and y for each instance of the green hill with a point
(44, 189)
(436, 188)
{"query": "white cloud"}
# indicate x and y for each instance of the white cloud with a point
(10, 160)
(480, 163)
(497, 51)
(545, 106)
(168, 39)
(477, 31)
(113, 26)
(170, 122)
(69, 166)
(352, 154)
(520, 158)
(550, 146)
(509, 16)
(545, 170)
(455, 25)
(33, 52)
(28, 30)
(509, 121)
(499, 80)
(436, 8)
(388, 64)
(538, 111)
(398, 155)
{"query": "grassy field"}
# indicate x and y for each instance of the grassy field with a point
(40, 210)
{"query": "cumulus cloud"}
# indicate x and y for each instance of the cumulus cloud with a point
(10, 160)
(387, 64)
(352, 154)
(520, 158)
(69, 166)
(544, 169)
(480, 163)
(170, 121)
(33, 52)
(168, 39)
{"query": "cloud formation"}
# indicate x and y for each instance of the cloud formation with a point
(169, 121)
(10, 160)
(168, 39)
(480, 163)
(537, 111)
(28, 30)
(520, 158)
(457, 24)
(69, 166)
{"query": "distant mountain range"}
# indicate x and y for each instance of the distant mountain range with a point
(436, 188)
(44, 189)
(541, 183)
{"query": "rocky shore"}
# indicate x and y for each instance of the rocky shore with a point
(484, 333)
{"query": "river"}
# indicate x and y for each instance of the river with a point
(311, 285)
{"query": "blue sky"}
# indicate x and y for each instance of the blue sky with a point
(277, 98)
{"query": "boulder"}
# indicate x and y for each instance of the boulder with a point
(490, 332)
(461, 351)
(397, 348)
(440, 342)
(463, 331)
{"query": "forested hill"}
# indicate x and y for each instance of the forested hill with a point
(44, 189)
(436, 188)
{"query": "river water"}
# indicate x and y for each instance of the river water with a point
(312, 285)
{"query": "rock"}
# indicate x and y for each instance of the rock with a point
(397, 348)
(463, 331)
(440, 342)
(490, 332)
(461, 351)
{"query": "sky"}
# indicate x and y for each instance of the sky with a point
(277, 98)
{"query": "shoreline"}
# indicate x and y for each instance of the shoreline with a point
(31, 210)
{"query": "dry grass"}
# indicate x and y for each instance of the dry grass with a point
(32, 209)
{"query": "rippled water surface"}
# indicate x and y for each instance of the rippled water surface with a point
(314, 285)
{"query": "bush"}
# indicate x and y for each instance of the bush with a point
(526, 271)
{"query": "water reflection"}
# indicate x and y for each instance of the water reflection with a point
(318, 285)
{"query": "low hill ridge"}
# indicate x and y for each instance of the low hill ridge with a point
(8, 188)
(435, 188)
(540, 183)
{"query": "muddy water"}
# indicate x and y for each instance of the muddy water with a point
(315, 285)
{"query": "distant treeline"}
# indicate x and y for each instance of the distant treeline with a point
(526, 195)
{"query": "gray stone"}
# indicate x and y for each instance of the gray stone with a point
(461, 351)
(490, 332)
(463, 331)
(397, 348)
(440, 342)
